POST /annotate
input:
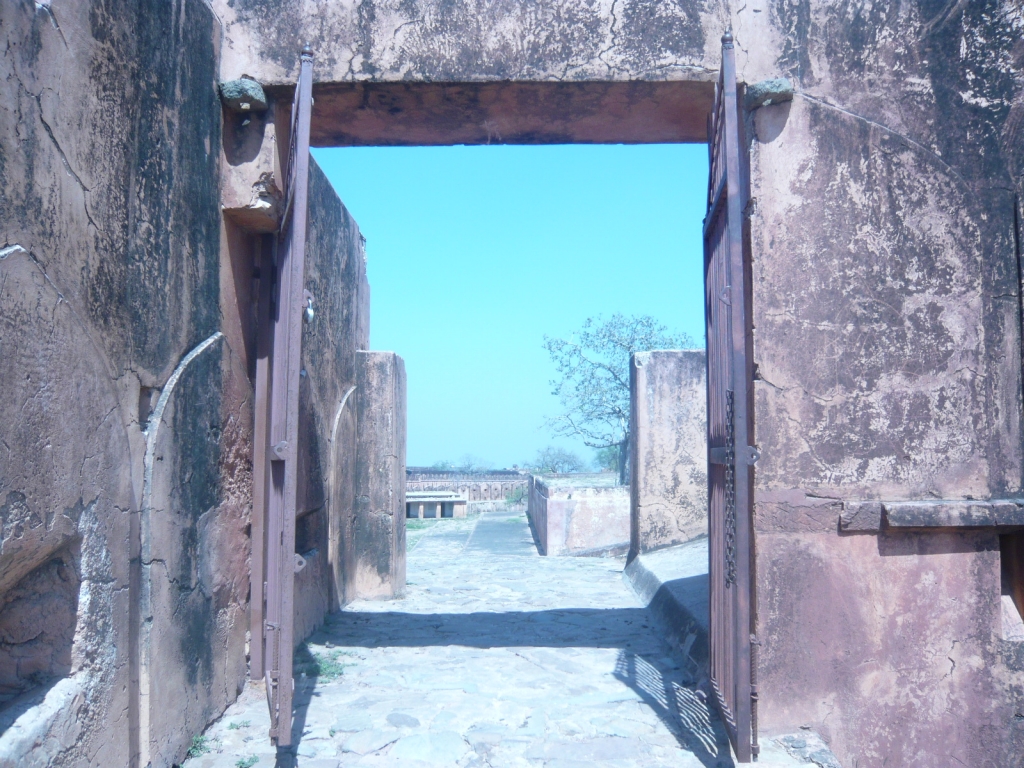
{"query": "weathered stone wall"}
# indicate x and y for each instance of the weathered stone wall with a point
(668, 449)
(887, 312)
(377, 568)
(579, 514)
(336, 278)
(476, 488)
(123, 483)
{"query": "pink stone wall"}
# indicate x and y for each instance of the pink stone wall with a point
(668, 449)
(578, 516)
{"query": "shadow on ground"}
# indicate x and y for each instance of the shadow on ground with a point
(557, 628)
(670, 693)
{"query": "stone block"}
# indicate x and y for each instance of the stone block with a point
(579, 514)
(668, 449)
(861, 516)
(379, 511)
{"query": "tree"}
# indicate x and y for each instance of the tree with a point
(558, 460)
(607, 459)
(468, 463)
(593, 378)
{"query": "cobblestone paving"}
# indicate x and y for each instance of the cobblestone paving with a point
(495, 657)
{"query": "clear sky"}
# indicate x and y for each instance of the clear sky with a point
(474, 253)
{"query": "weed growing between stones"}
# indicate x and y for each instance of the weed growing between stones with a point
(324, 666)
(247, 762)
(200, 746)
(242, 724)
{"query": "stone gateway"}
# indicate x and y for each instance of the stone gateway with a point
(882, 164)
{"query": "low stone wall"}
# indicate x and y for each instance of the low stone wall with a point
(579, 514)
(668, 449)
(378, 535)
(472, 486)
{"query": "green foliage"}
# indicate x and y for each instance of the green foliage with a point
(200, 746)
(467, 463)
(323, 666)
(247, 762)
(593, 377)
(515, 496)
(559, 460)
(236, 726)
(607, 458)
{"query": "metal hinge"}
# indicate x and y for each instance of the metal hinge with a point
(745, 454)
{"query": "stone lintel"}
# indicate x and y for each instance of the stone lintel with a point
(410, 114)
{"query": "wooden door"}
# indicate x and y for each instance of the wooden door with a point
(279, 348)
(730, 418)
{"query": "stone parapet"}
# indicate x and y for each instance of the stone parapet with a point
(668, 449)
(579, 514)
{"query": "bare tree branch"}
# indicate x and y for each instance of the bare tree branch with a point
(593, 377)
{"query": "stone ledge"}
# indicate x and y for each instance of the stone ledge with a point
(673, 584)
(868, 516)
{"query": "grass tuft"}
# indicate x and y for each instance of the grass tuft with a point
(200, 746)
(247, 762)
(324, 666)
(236, 726)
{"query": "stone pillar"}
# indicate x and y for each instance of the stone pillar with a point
(379, 515)
(668, 449)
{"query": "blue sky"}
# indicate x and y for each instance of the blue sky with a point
(474, 253)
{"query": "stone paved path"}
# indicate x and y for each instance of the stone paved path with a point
(495, 657)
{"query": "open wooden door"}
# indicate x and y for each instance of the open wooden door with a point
(279, 348)
(730, 419)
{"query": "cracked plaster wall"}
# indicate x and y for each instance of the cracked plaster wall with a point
(668, 491)
(336, 277)
(376, 570)
(887, 316)
(109, 274)
(885, 240)
(886, 304)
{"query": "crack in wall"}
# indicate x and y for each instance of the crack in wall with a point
(917, 145)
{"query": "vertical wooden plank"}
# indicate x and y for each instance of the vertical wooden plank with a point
(741, 377)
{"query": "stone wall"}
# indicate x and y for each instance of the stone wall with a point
(668, 449)
(336, 277)
(884, 227)
(480, 489)
(579, 514)
(124, 478)
(886, 303)
(128, 331)
(378, 529)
